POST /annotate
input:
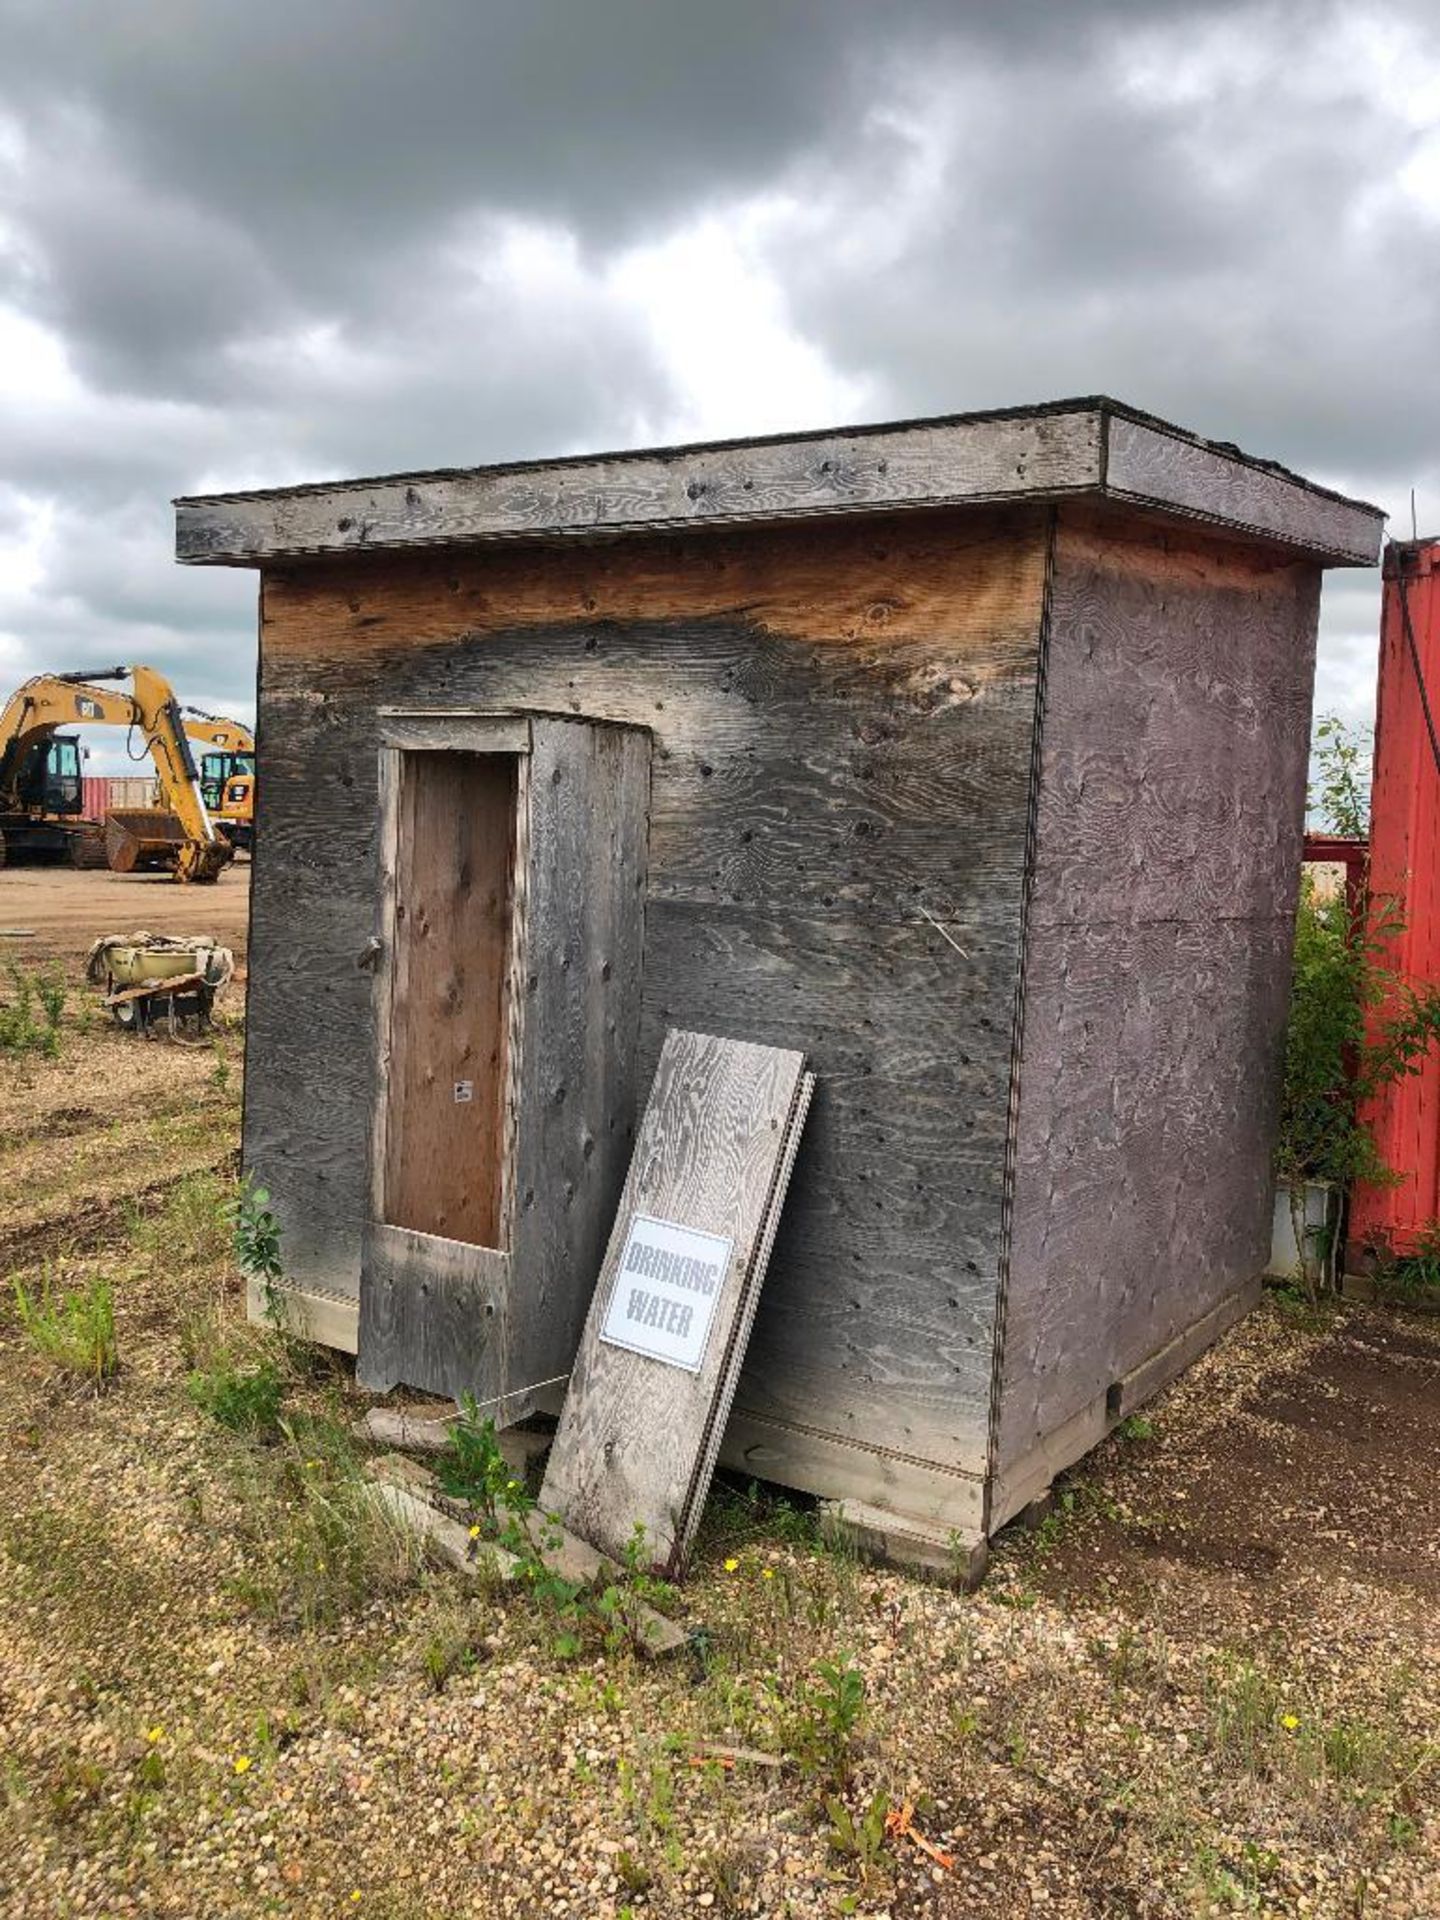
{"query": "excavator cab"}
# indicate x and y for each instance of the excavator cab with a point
(50, 781)
(217, 770)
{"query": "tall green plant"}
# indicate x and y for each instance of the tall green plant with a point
(1340, 793)
(1354, 1028)
(1354, 1025)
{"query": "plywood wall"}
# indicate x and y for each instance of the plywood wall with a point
(1169, 817)
(843, 719)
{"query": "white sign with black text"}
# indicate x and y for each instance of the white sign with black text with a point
(665, 1291)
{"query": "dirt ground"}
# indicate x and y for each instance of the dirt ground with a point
(54, 913)
(1209, 1684)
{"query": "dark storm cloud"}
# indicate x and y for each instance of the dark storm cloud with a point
(284, 240)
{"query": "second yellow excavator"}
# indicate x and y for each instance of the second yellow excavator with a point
(227, 773)
(41, 804)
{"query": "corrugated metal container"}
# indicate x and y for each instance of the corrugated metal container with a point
(105, 791)
(1405, 869)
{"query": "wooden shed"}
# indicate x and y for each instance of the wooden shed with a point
(966, 756)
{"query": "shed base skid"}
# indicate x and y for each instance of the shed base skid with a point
(962, 1558)
(1020, 1486)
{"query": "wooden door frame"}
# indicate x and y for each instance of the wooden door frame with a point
(483, 1271)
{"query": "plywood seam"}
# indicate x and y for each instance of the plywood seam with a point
(1017, 1030)
(859, 1446)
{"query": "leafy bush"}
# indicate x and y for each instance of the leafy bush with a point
(1354, 1026)
(256, 1237)
(75, 1331)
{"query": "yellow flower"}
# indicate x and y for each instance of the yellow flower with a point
(155, 1735)
(474, 1533)
(243, 1763)
(731, 1565)
(356, 1894)
(768, 1573)
(1289, 1721)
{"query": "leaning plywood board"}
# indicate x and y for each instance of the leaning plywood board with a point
(656, 1370)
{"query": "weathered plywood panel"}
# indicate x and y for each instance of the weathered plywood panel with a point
(1155, 465)
(580, 1072)
(1169, 819)
(842, 723)
(445, 1103)
(928, 463)
(638, 1435)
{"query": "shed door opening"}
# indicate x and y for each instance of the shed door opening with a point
(445, 1112)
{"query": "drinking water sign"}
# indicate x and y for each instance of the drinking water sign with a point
(665, 1291)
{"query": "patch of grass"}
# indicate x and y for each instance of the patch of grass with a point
(738, 1515)
(315, 1544)
(190, 1229)
(74, 1330)
(30, 1019)
(1135, 1426)
(244, 1398)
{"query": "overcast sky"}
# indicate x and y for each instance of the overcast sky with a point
(250, 242)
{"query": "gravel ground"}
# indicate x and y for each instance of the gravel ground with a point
(1208, 1685)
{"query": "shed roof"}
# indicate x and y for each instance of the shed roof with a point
(1065, 449)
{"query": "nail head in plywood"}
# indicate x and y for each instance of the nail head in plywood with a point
(651, 1387)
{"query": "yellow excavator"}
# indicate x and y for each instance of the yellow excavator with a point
(42, 796)
(227, 773)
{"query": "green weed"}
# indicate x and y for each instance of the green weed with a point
(859, 1837)
(246, 1399)
(821, 1729)
(75, 1331)
(23, 1028)
(256, 1239)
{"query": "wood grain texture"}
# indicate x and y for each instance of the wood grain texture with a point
(445, 1168)
(1153, 465)
(1078, 446)
(1169, 816)
(579, 1079)
(432, 1314)
(928, 463)
(638, 1436)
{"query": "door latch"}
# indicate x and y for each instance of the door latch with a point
(366, 959)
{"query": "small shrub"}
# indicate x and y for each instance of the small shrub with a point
(75, 1331)
(245, 1399)
(821, 1730)
(256, 1239)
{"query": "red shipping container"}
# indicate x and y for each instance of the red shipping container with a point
(1405, 869)
(104, 791)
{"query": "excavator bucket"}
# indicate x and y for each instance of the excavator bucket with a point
(152, 840)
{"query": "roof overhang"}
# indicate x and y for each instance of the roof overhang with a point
(1068, 449)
